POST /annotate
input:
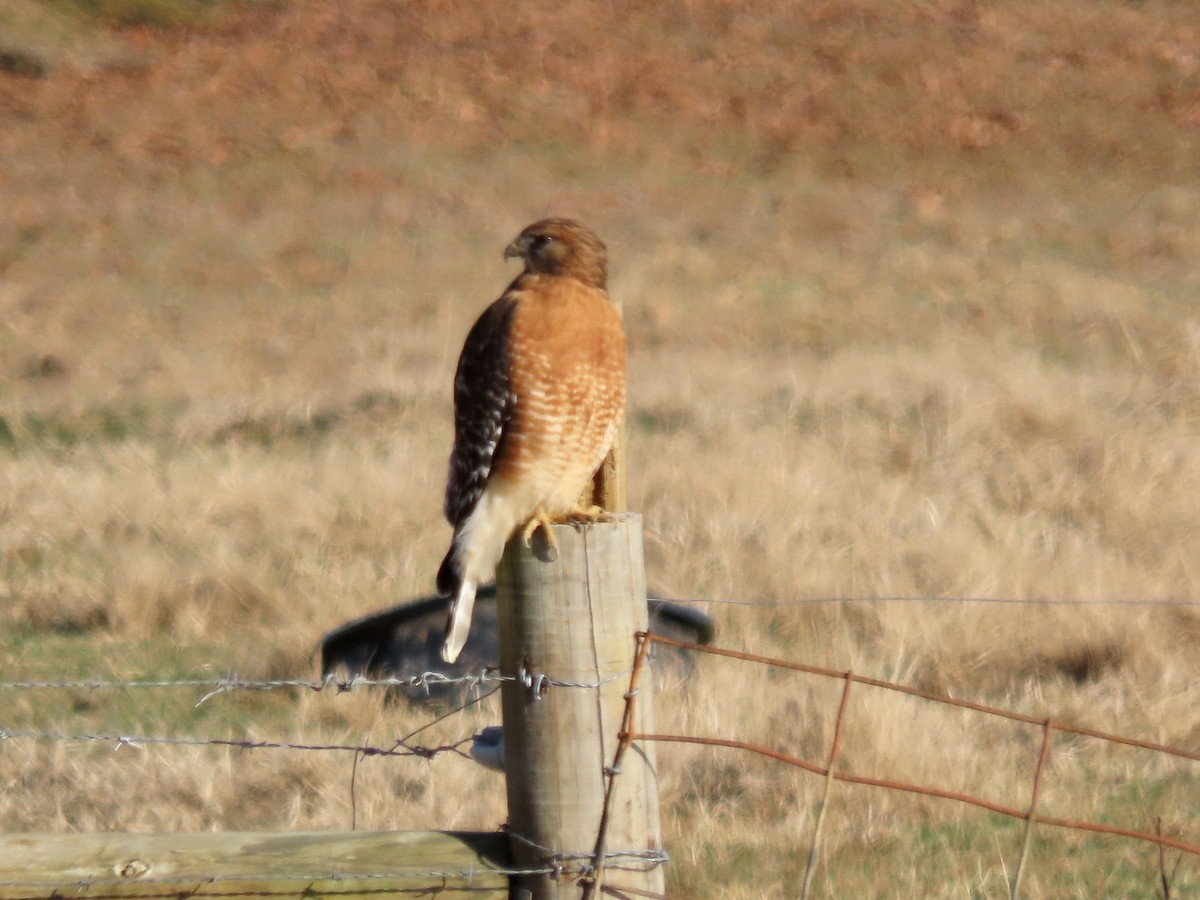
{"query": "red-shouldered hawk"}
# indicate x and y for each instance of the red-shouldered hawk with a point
(538, 397)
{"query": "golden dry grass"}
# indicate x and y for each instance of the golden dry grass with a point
(911, 296)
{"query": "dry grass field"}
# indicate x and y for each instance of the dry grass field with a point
(914, 309)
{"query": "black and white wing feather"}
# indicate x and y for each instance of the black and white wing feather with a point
(483, 406)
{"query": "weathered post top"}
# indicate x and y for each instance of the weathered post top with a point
(567, 632)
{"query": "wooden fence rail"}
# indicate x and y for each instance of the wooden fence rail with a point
(567, 652)
(233, 865)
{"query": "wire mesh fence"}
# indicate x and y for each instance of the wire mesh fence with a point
(1030, 815)
(586, 862)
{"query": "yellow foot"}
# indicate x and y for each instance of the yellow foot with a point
(585, 515)
(538, 535)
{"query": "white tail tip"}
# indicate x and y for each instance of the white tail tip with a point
(458, 626)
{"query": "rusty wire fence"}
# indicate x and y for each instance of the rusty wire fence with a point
(828, 768)
(484, 684)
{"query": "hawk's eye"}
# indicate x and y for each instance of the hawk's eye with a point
(541, 241)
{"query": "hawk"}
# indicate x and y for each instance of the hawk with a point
(538, 396)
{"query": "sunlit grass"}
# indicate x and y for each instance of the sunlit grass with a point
(902, 321)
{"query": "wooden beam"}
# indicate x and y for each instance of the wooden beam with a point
(253, 864)
(607, 488)
(574, 620)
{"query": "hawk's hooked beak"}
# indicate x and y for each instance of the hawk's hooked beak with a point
(518, 249)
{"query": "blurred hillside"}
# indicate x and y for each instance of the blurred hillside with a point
(912, 302)
(294, 139)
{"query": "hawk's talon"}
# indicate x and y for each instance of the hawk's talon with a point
(545, 547)
(589, 515)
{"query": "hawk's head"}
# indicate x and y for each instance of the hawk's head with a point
(562, 247)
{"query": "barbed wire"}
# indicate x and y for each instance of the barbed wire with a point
(929, 598)
(218, 686)
(591, 864)
(308, 877)
(140, 741)
(430, 679)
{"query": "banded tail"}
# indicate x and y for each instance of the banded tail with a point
(453, 582)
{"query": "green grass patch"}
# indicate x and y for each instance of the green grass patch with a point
(157, 711)
(62, 430)
(978, 857)
(741, 864)
(144, 13)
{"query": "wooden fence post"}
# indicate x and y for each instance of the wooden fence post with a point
(573, 621)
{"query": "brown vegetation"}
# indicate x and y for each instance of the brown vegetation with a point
(911, 291)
